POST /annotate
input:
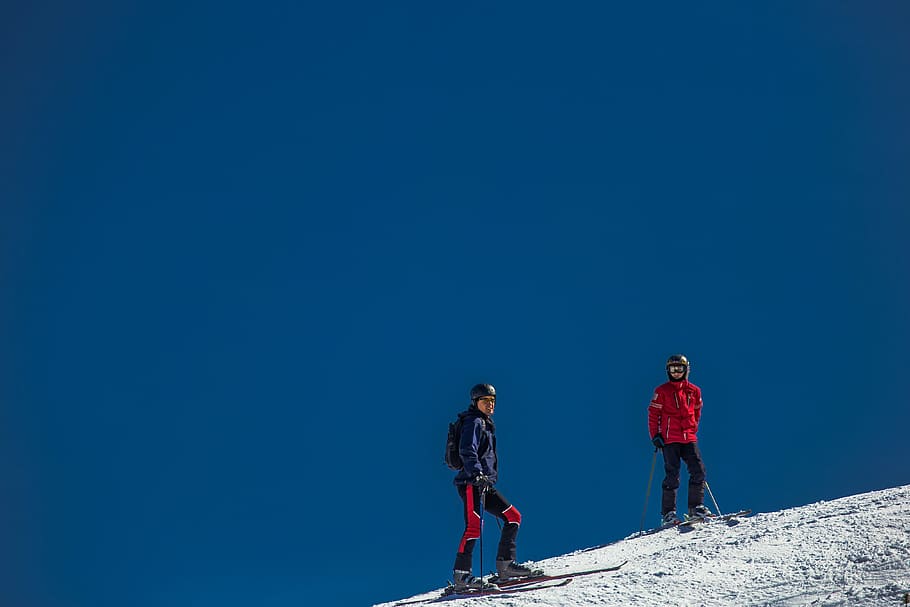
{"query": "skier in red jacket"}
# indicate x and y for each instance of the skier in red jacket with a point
(673, 417)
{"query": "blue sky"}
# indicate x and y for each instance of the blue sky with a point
(252, 258)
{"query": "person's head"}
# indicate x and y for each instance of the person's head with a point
(678, 368)
(483, 396)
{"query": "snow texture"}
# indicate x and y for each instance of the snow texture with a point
(851, 551)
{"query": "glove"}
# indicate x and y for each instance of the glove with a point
(482, 481)
(658, 441)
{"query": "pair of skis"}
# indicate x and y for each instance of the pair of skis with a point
(686, 524)
(730, 519)
(528, 584)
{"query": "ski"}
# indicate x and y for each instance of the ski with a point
(729, 518)
(558, 576)
(537, 585)
(449, 593)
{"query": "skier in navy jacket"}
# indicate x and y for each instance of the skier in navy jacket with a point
(474, 482)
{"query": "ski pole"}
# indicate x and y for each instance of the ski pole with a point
(711, 493)
(644, 510)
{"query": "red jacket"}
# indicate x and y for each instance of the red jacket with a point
(675, 411)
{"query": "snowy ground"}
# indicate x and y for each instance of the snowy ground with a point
(852, 551)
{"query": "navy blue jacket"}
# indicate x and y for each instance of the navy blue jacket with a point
(477, 447)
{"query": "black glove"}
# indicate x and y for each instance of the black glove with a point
(658, 441)
(482, 481)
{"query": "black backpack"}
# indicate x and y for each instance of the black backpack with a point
(453, 457)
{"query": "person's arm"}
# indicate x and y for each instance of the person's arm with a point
(468, 445)
(655, 410)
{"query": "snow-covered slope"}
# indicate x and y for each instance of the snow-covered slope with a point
(851, 551)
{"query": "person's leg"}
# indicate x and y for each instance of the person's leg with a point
(497, 505)
(671, 479)
(696, 467)
(470, 497)
(506, 567)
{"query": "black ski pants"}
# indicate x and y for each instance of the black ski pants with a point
(496, 504)
(689, 453)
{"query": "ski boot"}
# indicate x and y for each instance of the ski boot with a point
(510, 570)
(700, 512)
(669, 519)
(463, 581)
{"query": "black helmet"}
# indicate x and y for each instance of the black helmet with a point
(678, 359)
(481, 390)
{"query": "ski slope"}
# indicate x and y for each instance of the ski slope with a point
(851, 551)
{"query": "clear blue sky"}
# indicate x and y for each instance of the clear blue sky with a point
(253, 256)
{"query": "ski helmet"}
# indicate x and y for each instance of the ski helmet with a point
(678, 359)
(481, 390)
